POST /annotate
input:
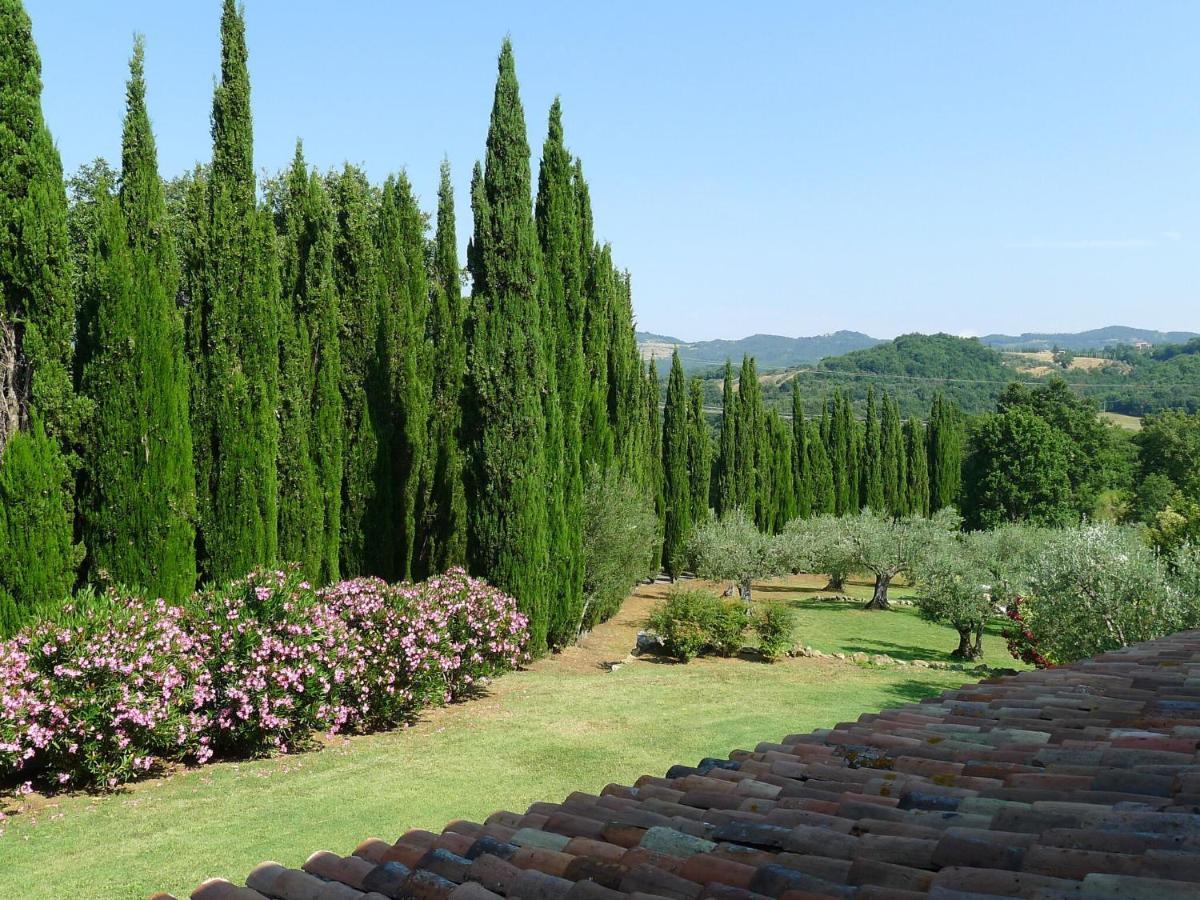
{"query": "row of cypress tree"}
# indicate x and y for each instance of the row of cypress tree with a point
(777, 470)
(222, 381)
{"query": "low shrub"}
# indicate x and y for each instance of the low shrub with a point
(774, 624)
(110, 692)
(692, 621)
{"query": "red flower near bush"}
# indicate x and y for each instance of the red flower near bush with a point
(1021, 642)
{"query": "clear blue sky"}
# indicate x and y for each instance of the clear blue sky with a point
(792, 168)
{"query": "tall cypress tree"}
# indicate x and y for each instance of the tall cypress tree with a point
(677, 487)
(917, 469)
(945, 451)
(137, 490)
(854, 456)
(699, 453)
(625, 403)
(751, 438)
(892, 458)
(596, 428)
(36, 322)
(504, 420)
(652, 400)
(838, 446)
(780, 486)
(234, 347)
(310, 411)
(365, 397)
(872, 477)
(403, 317)
(726, 477)
(444, 534)
(563, 311)
(801, 474)
(823, 489)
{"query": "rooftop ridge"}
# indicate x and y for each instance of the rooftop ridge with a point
(1082, 780)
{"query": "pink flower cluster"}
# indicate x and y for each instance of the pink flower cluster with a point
(116, 691)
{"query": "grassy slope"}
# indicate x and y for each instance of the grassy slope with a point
(567, 724)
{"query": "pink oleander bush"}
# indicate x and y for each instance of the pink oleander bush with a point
(127, 685)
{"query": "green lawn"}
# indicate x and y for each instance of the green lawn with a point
(839, 627)
(567, 724)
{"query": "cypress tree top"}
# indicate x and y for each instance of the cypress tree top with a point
(232, 125)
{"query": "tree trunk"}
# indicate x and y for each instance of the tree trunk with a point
(744, 590)
(966, 650)
(879, 599)
(836, 583)
(978, 648)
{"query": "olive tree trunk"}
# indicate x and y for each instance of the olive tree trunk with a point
(879, 598)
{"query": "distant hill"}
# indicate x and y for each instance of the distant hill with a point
(770, 351)
(1096, 339)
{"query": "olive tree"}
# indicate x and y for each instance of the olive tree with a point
(820, 544)
(954, 591)
(732, 548)
(888, 547)
(1098, 588)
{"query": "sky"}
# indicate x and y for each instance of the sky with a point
(788, 168)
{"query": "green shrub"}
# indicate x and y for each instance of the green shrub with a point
(774, 624)
(690, 622)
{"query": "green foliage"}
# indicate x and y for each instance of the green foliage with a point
(365, 393)
(731, 548)
(620, 534)
(503, 417)
(233, 335)
(310, 410)
(888, 547)
(444, 533)
(1176, 525)
(916, 468)
(563, 303)
(802, 472)
(677, 488)
(774, 624)
(699, 454)
(1168, 461)
(945, 438)
(38, 556)
(749, 475)
(953, 588)
(691, 621)
(726, 470)
(1016, 471)
(1099, 588)
(37, 306)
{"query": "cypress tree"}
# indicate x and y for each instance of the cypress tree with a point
(872, 480)
(945, 452)
(310, 409)
(596, 428)
(504, 421)
(917, 469)
(137, 491)
(824, 492)
(892, 459)
(699, 453)
(403, 317)
(652, 399)
(626, 418)
(801, 474)
(751, 438)
(854, 456)
(234, 347)
(444, 532)
(677, 486)
(780, 487)
(38, 558)
(365, 397)
(838, 447)
(563, 310)
(726, 477)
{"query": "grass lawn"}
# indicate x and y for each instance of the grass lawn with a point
(565, 724)
(838, 627)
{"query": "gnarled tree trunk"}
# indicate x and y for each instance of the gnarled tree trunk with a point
(879, 598)
(966, 649)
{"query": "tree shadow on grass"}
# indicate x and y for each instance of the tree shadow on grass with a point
(906, 652)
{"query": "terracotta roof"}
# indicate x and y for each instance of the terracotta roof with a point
(1080, 781)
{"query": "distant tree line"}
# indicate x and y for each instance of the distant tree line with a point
(197, 379)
